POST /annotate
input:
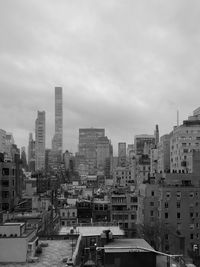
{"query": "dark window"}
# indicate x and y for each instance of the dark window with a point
(5, 206)
(178, 205)
(5, 183)
(133, 217)
(152, 204)
(152, 193)
(5, 194)
(178, 215)
(166, 215)
(5, 171)
(166, 205)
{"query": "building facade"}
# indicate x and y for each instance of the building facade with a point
(185, 138)
(143, 144)
(88, 145)
(40, 138)
(57, 142)
(122, 154)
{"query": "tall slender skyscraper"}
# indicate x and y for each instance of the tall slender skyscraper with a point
(31, 153)
(40, 141)
(57, 142)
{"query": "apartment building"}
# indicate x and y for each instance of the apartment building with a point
(68, 215)
(124, 176)
(183, 141)
(124, 207)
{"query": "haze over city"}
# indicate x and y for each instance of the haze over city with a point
(123, 65)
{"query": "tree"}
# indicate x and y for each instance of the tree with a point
(158, 235)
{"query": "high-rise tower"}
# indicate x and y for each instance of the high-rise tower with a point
(88, 146)
(57, 141)
(31, 153)
(40, 141)
(156, 134)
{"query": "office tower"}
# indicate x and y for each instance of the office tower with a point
(31, 153)
(87, 146)
(156, 135)
(57, 142)
(40, 141)
(2, 141)
(143, 144)
(185, 138)
(9, 143)
(164, 153)
(23, 158)
(121, 154)
(103, 152)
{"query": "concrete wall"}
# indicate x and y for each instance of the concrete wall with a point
(13, 249)
(10, 229)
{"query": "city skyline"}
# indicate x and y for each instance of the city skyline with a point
(123, 66)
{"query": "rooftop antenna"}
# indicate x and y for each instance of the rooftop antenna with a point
(177, 118)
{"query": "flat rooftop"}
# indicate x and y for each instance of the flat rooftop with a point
(92, 230)
(51, 255)
(127, 245)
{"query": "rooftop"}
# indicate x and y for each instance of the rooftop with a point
(92, 230)
(51, 255)
(127, 245)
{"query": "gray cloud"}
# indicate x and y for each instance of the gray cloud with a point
(124, 65)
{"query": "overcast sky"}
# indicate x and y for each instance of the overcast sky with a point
(124, 65)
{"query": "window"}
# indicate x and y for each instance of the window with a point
(152, 193)
(5, 183)
(151, 213)
(5, 171)
(166, 215)
(168, 194)
(178, 205)
(191, 194)
(178, 195)
(191, 236)
(133, 217)
(191, 214)
(178, 215)
(166, 237)
(5, 194)
(151, 204)
(191, 226)
(63, 214)
(166, 205)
